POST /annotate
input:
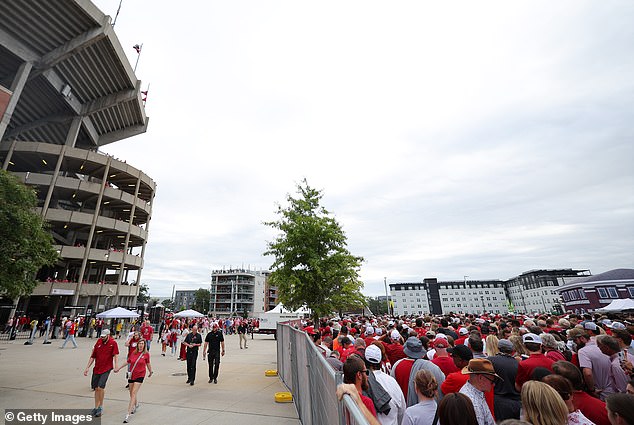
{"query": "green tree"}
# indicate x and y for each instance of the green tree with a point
(144, 294)
(201, 300)
(169, 304)
(377, 306)
(312, 265)
(26, 245)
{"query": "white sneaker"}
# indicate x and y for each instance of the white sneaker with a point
(126, 419)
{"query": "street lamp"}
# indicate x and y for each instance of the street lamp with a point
(387, 297)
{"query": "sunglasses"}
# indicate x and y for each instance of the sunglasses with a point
(366, 371)
(491, 380)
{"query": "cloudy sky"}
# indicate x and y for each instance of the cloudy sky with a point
(449, 139)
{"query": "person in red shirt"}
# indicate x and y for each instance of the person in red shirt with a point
(355, 372)
(104, 354)
(345, 348)
(138, 361)
(71, 328)
(592, 408)
(533, 344)
(393, 346)
(147, 331)
(442, 359)
(369, 335)
(401, 370)
(463, 335)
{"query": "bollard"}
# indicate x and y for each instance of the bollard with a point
(30, 341)
(48, 327)
(13, 332)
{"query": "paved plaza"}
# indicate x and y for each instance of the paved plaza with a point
(43, 376)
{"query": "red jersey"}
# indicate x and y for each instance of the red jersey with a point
(141, 365)
(394, 352)
(591, 407)
(460, 340)
(104, 353)
(146, 332)
(445, 364)
(401, 372)
(526, 367)
(368, 403)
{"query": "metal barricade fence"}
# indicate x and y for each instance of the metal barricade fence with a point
(312, 381)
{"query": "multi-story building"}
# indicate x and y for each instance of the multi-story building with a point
(532, 291)
(590, 293)
(240, 291)
(433, 297)
(69, 90)
(184, 300)
(536, 290)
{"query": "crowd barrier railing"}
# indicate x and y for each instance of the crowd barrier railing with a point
(312, 381)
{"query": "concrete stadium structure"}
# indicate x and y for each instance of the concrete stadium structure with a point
(67, 89)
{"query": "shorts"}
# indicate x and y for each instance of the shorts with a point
(139, 380)
(99, 380)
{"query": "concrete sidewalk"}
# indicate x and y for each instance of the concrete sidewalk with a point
(45, 377)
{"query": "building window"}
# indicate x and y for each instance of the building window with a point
(602, 293)
(582, 294)
(631, 289)
(613, 292)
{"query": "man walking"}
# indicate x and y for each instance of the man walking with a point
(71, 328)
(104, 353)
(214, 341)
(193, 340)
(242, 333)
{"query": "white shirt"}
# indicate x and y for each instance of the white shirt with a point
(397, 404)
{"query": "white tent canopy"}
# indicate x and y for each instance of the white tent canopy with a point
(118, 313)
(280, 308)
(618, 305)
(189, 313)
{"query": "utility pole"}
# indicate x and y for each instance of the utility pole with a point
(387, 297)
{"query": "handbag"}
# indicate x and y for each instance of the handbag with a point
(128, 374)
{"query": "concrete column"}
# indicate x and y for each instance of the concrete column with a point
(92, 231)
(147, 232)
(16, 87)
(49, 194)
(5, 165)
(73, 131)
(127, 239)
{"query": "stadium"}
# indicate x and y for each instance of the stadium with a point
(66, 90)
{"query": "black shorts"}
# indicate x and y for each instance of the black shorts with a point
(139, 380)
(99, 379)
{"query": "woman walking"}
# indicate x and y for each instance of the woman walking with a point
(139, 361)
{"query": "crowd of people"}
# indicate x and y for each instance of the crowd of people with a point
(483, 370)
(182, 335)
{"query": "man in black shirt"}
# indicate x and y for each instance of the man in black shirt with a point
(193, 340)
(214, 340)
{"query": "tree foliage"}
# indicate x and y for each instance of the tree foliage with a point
(144, 294)
(169, 304)
(201, 300)
(377, 306)
(25, 243)
(312, 265)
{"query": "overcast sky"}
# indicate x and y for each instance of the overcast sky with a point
(450, 139)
